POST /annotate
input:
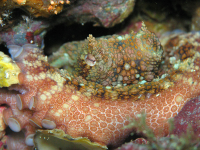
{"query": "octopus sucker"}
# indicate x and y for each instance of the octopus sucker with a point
(107, 82)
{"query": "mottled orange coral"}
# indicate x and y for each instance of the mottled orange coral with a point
(50, 98)
(36, 8)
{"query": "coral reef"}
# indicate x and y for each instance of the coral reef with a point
(191, 9)
(188, 119)
(26, 31)
(90, 94)
(103, 13)
(36, 8)
(187, 140)
(164, 16)
(51, 98)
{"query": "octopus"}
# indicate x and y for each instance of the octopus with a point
(104, 84)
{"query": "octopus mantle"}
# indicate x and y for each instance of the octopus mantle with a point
(52, 98)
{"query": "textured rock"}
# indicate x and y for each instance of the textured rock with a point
(104, 13)
(25, 32)
(188, 119)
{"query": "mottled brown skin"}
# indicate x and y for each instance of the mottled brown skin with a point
(58, 101)
(116, 63)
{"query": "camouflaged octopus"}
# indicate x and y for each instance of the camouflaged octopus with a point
(106, 83)
(113, 67)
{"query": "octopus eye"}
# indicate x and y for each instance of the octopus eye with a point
(90, 60)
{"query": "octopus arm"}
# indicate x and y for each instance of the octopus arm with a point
(55, 101)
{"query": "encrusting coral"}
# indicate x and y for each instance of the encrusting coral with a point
(38, 8)
(53, 98)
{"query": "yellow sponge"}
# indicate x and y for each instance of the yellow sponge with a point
(8, 71)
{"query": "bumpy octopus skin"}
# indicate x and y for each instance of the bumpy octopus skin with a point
(53, 98)
(114, 67)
